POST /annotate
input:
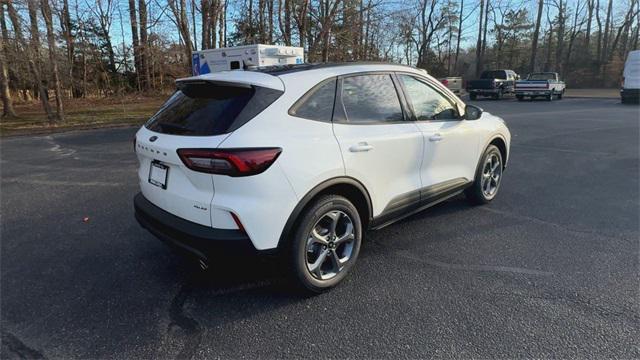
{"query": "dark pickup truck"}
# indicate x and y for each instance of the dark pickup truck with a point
(494, 83)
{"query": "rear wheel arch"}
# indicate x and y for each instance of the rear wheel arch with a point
(347, 187)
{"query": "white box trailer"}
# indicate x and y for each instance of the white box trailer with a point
(244, 57)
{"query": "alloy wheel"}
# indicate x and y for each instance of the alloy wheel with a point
(330, 245)
(491, 176)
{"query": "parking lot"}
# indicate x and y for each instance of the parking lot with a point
(549, 269)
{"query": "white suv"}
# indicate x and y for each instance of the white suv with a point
(301, 160)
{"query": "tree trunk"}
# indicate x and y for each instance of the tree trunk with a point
(144, 46)
(270, 11)
(560, 34)
(5, 94)
(599, 41)
(67, 32)
(135, 42)
(479, 43)
(587, 38)
(205, 6)
(607, 29)
(484, 36)
(193, 25)
(455, 63)
(179, 10)
(34, 56)
(51, 40)
(222, 30)
(536, 34)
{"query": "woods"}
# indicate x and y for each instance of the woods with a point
(53, 50)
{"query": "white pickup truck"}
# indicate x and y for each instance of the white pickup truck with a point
(541, 84)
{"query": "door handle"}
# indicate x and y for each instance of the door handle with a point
(360, 147)
(435, 137)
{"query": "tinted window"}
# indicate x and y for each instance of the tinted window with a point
(497, 74)
(317, 104)
(427, 103)
(204, 109)
(370, 98)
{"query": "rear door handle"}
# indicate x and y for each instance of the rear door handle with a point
(436, 137)
(360, 147)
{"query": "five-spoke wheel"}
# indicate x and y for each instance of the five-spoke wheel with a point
(488, 177)
(326, 243)
(330, 245)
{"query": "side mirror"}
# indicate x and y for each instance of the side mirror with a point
(472, 112)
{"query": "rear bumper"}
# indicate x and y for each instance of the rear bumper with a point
(483, 91)
(533, 92)
(187, 237)
(630, 94)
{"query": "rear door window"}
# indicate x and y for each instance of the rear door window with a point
(371, 98)
(207, 108)
(317, 104)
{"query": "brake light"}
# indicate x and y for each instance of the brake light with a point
(232, 162)
(445, 82)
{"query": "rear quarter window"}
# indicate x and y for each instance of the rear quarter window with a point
(317, 103)
(207, 109)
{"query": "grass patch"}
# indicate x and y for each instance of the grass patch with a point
(83, 113)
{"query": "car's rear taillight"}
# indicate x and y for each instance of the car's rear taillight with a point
(445, 82)
(232, 162)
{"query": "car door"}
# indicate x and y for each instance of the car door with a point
(450, 151)
(381, 147)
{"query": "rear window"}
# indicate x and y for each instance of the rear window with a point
(497, 74)
(206, 108)
(542, 76)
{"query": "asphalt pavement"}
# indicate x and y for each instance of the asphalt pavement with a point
(549, 269)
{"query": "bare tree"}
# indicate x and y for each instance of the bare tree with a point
(479, 43)
(534, 41)
(5, 94)
(607, 29)
(179, 10)
(103, 10)
(51, 40)
(560, 30)
(135, 41)
(34, 55)
(459, 36)
(144, 45)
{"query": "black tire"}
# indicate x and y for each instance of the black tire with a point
(550, 96)
(475, 193)
(560, 95)
(298, 254)
(519, 97)
(500, 94)
(473, 96)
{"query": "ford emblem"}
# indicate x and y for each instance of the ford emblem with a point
(153, 138)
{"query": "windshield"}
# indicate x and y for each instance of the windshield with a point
(496, 74)
(542, 76)
(206, 109)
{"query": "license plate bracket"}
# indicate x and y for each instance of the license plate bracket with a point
(158, 174)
